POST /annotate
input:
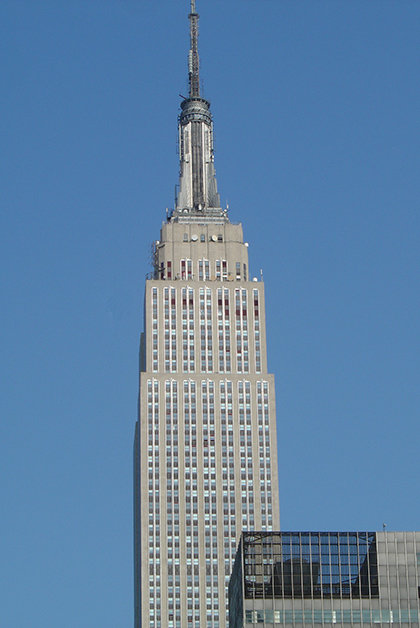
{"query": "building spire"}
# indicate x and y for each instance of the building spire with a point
(198, 193)
(193, 58)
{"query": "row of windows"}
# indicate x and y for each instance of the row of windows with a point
(241, 399)
(206, 272)
(368, 616)
(194, 238)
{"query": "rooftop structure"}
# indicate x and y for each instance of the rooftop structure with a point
(326, 578)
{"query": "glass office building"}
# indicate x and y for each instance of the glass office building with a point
(326, 578)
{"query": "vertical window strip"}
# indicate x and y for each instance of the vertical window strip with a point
(155, 335)
(224, 270)
(213, 498)
(221, 267)
(172, 493)
(195, 526)
(225, 475)
(238, 327)
(206, 334)
(154, 513)
(262, 464)
(249, 458)
(229, 519)
(203, 269)
(220, 331)
(257, 331)
(244, 312)
(227, 329)
(242, 450)
(223, 324)
(191, 351)
(173, 330)
(264, 454)
(210, 506)
(152, 549)
(267, 454)
(214, 525)
(245, 435)
(209, 330)
(191, 502)
(167, 329)
(187, 486)
(241, 325)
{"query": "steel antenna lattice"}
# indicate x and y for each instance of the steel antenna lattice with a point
(193, 60)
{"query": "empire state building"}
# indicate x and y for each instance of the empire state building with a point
(205, 451)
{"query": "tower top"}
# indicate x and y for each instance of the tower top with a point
(197, 197)
(193, 58)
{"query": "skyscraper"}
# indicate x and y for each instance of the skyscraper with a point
(205, 443)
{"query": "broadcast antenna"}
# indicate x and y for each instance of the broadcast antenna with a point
(193, 59)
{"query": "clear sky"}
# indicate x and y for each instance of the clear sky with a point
(316, 106)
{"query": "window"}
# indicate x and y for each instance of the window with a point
(186, 269)
(203, 270)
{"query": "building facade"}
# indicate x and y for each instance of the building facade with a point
(326, 578)
(205, 444)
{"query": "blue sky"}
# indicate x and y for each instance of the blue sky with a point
(316, 106)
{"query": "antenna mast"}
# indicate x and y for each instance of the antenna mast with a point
(193, 59)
